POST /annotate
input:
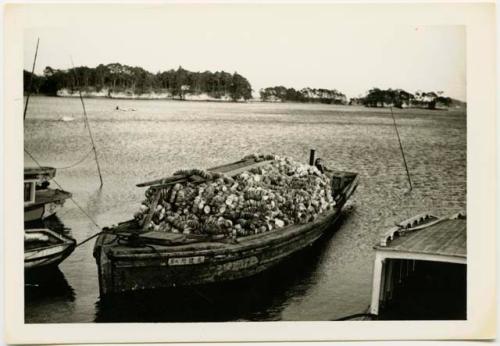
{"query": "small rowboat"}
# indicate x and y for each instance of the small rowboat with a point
(44, 248)
(129, 258)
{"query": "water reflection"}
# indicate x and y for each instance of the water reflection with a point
(46, 288)
(95, 203)
(47, 294)
(52, 222)
(49, 284)
(258, 298)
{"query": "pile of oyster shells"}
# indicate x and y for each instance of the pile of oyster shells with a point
(263, 199)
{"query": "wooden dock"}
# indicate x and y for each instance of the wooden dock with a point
(438, 237)
(421, 238)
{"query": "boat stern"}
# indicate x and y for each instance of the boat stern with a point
(343, 184)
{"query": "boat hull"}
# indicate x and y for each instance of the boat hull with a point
(164, 270)
(40, 212)
(33, 213)
(47, 203)
(122, 268)
(49, 255)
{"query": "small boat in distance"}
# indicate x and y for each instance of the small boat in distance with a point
(66, 118)
(40, 201)
(44, 248)
(129, 258)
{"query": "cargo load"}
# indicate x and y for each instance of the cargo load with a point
(280, 193)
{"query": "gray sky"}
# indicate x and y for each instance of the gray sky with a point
(270, 45)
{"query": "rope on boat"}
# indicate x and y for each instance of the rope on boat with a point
(89, 238)
(77, 162)
(76, 245)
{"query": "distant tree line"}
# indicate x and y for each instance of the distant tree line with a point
(400, 98)
(116, 78)
(283, 94)
(123, 78)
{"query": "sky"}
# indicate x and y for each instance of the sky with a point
(293, 46)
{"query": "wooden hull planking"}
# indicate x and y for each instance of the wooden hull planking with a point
(164, 270)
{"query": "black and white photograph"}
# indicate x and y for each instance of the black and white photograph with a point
(243, 162)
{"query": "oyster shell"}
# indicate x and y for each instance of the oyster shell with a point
(264, 199)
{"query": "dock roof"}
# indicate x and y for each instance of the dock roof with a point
(448, 237)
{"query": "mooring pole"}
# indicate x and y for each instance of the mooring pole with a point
(91, 138)
(402, 151)
(87, 123)
(31, 80)
(311, 157)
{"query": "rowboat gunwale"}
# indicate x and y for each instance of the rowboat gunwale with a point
(67, 247)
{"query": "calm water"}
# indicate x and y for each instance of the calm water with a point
(328, 280)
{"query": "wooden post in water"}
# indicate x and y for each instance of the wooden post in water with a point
(91, 137)
(402, 151)
(377, 284)
(86, 120)
(31, 80)
(311, 157)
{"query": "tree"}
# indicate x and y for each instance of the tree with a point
(374, 97)
(116, 77)
(446, 101)
(34, 80)
(239, 88)
(284, 94)
(393, 97)
(180, 79)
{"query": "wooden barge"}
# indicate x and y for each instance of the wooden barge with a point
(420, 270)
(129, 259)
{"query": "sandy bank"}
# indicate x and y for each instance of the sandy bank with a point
(106, 93)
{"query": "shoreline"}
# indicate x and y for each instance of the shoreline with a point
(244, 102)
(139, 98)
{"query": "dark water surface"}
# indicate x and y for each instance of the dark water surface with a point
(326, 281)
